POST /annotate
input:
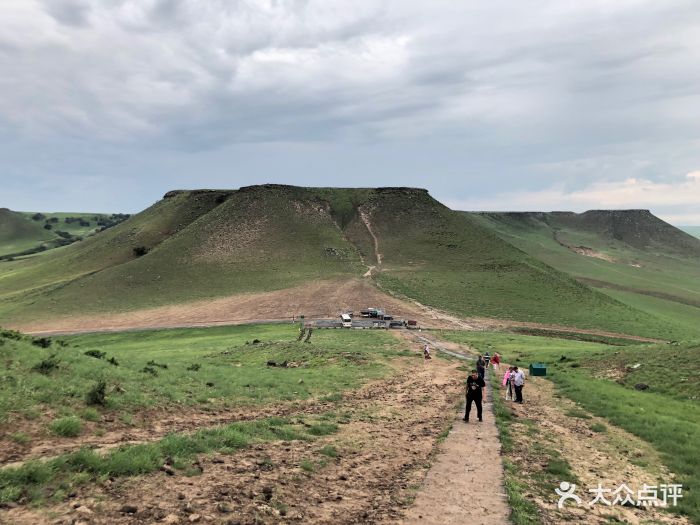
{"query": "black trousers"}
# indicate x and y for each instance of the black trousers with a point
(519, 393)
(477, 402)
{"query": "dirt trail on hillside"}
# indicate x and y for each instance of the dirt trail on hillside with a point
(465, 483)
(390, 435)
(365, 219)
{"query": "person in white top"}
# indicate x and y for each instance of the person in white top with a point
(518, 383)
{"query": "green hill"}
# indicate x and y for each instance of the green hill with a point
(629, 255)
(19, 233)
(27, 233)
(206, 243)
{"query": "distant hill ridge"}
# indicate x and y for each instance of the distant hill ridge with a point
(636, 227)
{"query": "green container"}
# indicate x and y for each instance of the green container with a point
(538, 369)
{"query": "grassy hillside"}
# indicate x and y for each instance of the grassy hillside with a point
(202, 244)
(25, 233)
(631, 256)
(18, 233)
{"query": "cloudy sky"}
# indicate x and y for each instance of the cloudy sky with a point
(520, 104)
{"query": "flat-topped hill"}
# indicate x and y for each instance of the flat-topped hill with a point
(203, 244)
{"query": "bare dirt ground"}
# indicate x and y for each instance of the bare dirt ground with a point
(147, 425)
(611, 458)
(321, 299)
(384, 451)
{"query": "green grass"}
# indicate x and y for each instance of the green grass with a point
(66, 426)
(329, 451)
(598, 427)
(523, 511)
(232, 372)
(661, 279)
(667, 416)
(21, 438)
(37, 480)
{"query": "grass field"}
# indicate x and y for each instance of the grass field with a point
(602, 380)
(206, 368)
(49, 389)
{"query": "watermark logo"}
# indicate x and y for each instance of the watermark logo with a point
(661, 495)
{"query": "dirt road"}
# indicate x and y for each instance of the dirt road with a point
(321, 299)
(465, 483)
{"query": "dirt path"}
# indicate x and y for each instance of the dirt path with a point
(368, 224)
(465, 484)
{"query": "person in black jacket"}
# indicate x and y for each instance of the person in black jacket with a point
(475, 391)
(481, 366)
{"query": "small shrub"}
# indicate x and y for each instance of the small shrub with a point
(113, 361)
(38, 217)
(66, 426)
(149, 370)
(330, 451)
(42, 342)
(97, 394)
(559, 468)
(598, 427)
(140, 251)
(194, 367)
(97, 354)
(307, 465)
(322, 429)
(21, 438)
(47, 226)
(90, 414)
(159, 365)
(46, 366)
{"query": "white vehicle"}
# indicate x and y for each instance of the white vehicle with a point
(347, 320)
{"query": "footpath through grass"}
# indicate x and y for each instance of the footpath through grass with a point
(666, 415)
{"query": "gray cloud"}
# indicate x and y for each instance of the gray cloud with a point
(463, 97)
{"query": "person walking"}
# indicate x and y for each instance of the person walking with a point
(507, 384)
(496, 360)
(475, 391)
(426, 354)
(518, 383)
(480, 367)
(487, 359)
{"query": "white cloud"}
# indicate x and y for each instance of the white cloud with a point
(517, 93)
